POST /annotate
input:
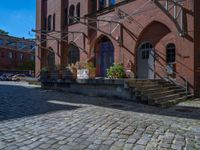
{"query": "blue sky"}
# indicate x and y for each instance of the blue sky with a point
(18, 17)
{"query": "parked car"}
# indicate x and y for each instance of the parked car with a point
(9, 77)
(18, 77)
(3, 77)
(6, 77)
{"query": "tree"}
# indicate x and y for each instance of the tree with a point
(27, 65)
(3, 32)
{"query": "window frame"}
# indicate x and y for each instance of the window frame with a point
(54, 22)
(170, 53)
(10, 55)
(49, 28)
(73, 54)
(1, 41)
(71, 14)
(78, 10)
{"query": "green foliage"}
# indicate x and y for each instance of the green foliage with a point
(44, 70)
(28, 65)
(3, 32)
(116, 71)
(60, 67)
(90, 66)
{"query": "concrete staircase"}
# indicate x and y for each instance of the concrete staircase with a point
(157, 92)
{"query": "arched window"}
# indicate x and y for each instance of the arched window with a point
(49, 23)
(71, 14)
(73, 54)
(51, 59)
(45, 24)
(66, 16)
(102, 4)
(54, 22)
(171, 53)
(78, 11)
(144, 48)
(111, 2)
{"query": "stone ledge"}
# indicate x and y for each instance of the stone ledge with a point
(114, 88)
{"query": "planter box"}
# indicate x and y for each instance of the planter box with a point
(82, 74)
(70, 74)
(92, 74)
(86, 74)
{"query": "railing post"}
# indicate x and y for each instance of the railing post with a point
(186, 86)
(167, 5)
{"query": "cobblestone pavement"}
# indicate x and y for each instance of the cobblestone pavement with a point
(32, 118)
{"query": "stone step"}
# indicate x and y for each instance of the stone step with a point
(143, 81)
(168, 97)
(157, 92)
(160, 90)
(158, 87)
(139, 84)
(173, 102)
(150, 84)
(165, 92)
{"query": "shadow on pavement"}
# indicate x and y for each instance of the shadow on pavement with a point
(189, 112)
(19, 101)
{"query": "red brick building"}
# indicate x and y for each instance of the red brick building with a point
(14, 52)
(157, 37)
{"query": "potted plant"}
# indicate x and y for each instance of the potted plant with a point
(116, 71)
(60, 70)
(44, 73)
(92, 70)
(71, 72)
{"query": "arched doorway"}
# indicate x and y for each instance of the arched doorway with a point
(104, 55)
(51, 59)
(145, 51)
(145, 61)
(73, 54)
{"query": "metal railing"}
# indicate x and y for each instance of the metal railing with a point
(164, 69)
(184, 78)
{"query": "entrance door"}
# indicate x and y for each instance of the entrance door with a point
(51, 60)
(106, 57)
(145, 61)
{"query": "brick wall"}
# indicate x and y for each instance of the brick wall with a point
(197, 47)
(148, 24)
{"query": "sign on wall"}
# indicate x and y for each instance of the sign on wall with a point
(82, 74)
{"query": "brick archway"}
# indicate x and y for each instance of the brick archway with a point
(104, 55)
(73, 54)
(152, 33)
(51, 59)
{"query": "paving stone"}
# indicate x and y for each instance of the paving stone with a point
(65, 147)
(143, 141)
(108, 142)
(105, 147)
(35, 119)
(128, 146)
(45, 146)
(2, 145)
(131, 141)
(138, 147)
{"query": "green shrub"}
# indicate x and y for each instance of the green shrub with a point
(116, 71)
(44, 70)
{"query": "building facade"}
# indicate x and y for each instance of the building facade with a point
(15, 53)
(156, 38)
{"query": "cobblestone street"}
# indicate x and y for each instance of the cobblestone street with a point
(32, 118)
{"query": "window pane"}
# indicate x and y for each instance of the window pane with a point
(1, 41)
(171, 53)
(111, 2)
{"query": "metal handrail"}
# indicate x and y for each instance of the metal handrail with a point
(174, 72)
